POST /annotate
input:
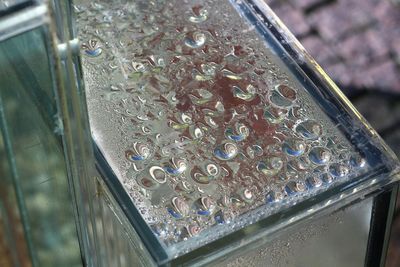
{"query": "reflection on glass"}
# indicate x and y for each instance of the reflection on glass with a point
(35, 197)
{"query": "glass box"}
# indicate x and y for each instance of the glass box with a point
(165, 133)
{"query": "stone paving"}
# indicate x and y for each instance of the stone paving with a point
(356, 41)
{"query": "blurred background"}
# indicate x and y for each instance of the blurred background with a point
(357, 42)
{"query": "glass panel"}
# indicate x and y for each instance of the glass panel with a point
(208, 125)
(338, 239)
(10, 5)
(33, 150)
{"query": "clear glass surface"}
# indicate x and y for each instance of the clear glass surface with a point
(35, 198)
(210, 124)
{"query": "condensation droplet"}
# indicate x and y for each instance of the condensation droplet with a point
(226, 151)
(195, 40)
(309, 129)
(178, 208)
(338, 170)
(248, 94)
(239, 133)
(294, 147)
(176, 166)
(271, 166)
(92, 48)
(319, 155)
(199, 15)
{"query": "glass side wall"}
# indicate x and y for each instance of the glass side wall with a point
(37, 216)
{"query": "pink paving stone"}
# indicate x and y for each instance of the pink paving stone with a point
(339, 73)
(318, 49)
(293, 19)
(384, 76)
(363, 48)
(334, 21)
(304, 4)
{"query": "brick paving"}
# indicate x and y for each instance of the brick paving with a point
(356, 41)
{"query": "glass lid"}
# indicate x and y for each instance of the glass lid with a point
(206, 122)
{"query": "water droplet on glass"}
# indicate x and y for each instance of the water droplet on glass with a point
(274, 115)
(219, 217)
(319, 155)
(230, 75)
(248, 94)
(274, 196)
(238, 133)
(92, 48)
(294, 147)
(139, 152)
(195, 40)
(338, 170)
(199, 15)
(313, 182)
(294, 187)
(175, 166)
(282, 96)
(356, 161)
(178, 207)
(309, 129)
(205, 206)
(226, 151)
(270, 166)
(158, 174)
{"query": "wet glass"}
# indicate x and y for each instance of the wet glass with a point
(209, 128)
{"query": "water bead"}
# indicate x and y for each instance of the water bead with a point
(338, 170)
(195, 40)
(239, 133)
(309, 129)
(299, 164)
(92, 48)
(184, 186)
(139, 152)
(199, 15)
(158, 174)
(283, 96)
(212, 169)
(274, 196)
(280, 101)
(271, 166)
(356, 161)
(176, 166)
(178, 208)
(205, 206)
(294, 187)
(319, 155)
(230, 75)
(200, 177)
(193, 230)
(209, 69)
(247, 94)
(219, 217)
(246, 195)
(286, 91)
(196, 132)
(226, 151)
(274, 115)
(327, 178)
(313, 182)
(294, 147)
